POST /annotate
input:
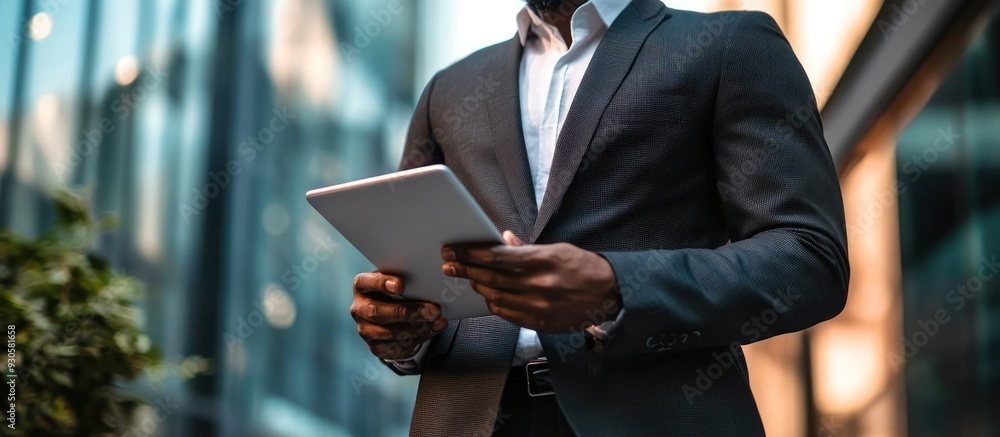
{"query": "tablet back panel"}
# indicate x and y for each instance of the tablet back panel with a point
(400, 221)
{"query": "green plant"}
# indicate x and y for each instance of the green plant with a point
(77, 335)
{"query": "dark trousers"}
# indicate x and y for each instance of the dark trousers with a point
(523, 415)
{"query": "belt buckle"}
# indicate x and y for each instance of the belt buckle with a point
(538, 369)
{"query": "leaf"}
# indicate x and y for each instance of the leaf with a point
(70, 207)
(79, 331)
(142, 343)
(61, 378)
(108, 222)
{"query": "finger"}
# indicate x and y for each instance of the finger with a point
(376, 282)
(519, 318)
(527, 319)
(500, 256)
(505, 299)
(383, 312)
(404, 333)
(504, 279)
(516, 282)
(520, 310)
(511, 239)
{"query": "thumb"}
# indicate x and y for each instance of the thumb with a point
(511, 239)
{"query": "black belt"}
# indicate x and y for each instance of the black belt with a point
(537, 379)
(527, 406)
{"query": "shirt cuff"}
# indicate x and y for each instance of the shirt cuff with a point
(412, 364)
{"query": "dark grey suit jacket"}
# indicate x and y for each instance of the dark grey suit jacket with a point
(693, 159)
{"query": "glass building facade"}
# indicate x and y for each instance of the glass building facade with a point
(201, 125)
(948, 168)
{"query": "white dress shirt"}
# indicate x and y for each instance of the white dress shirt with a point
(551, 73)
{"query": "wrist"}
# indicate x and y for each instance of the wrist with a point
(612, 302)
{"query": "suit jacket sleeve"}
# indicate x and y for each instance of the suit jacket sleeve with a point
(421, 150)
(785, 268)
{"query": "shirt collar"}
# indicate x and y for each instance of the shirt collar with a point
(608, 10)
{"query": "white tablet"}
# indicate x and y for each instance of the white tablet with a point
(400, 221)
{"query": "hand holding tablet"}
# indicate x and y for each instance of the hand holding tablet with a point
(400, 222)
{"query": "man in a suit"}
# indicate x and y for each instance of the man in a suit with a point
(667, 197)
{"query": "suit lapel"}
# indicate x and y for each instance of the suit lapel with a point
(611, 63)
(508, 134)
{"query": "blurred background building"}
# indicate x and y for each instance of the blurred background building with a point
(203, 123)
